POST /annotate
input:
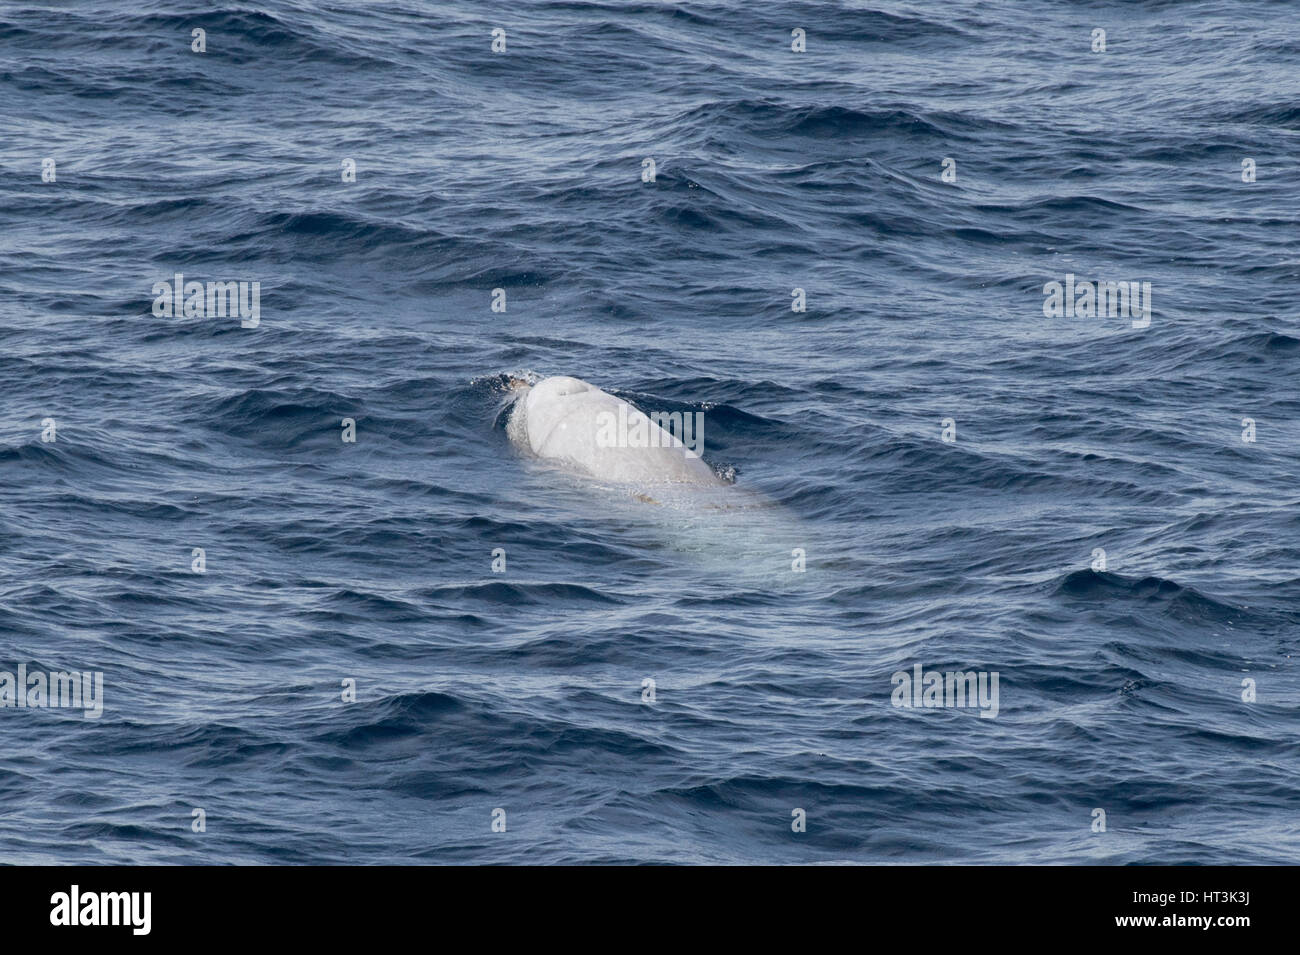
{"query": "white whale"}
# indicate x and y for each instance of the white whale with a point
(576, 425)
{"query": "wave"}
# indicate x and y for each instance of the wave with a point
(1158, 593)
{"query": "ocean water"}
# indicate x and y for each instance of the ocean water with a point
(1161, 690)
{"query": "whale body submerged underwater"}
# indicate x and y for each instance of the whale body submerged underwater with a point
(563, 422)
(578, 426)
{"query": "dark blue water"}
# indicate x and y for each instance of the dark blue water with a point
(522, 690)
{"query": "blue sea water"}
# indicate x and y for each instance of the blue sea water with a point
(1123, 690)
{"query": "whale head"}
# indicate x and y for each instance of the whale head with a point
(560, 386)
(568, 421)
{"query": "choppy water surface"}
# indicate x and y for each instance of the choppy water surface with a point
(774, 170)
